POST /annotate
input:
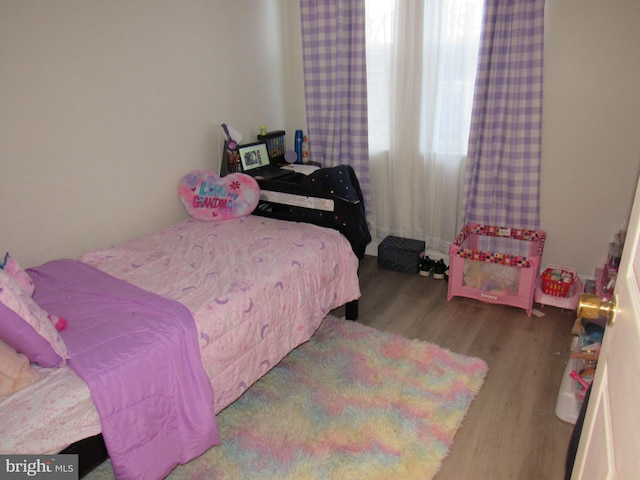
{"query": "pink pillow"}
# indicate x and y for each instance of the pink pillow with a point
(206, 196)
(27, 328)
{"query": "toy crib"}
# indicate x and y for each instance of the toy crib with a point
(496, 264)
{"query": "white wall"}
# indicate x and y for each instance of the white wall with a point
(105, 105)
(295, 111)
(591, 127)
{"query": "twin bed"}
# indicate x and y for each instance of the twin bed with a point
(239, 294)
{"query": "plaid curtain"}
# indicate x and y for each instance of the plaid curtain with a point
(502, 178)
(335, 80)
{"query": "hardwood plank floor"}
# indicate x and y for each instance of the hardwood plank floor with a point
(511, 430)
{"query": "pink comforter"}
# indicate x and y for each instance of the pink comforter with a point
(139, 354)
(257, 287)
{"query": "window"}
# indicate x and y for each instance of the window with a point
(422, 56)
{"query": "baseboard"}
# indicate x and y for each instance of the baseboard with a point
(372, 248)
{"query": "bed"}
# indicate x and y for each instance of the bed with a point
(254, 287)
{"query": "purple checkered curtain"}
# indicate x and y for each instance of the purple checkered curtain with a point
(335, 80)
(502, 178)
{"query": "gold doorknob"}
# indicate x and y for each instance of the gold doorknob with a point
(593, 307)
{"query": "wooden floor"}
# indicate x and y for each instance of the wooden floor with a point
(511, 430)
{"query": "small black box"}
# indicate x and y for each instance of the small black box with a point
(401, 254)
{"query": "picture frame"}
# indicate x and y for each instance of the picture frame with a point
(254, 155)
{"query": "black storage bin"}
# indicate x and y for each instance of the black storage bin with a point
(401, 254)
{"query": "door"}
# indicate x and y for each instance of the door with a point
(609, 446)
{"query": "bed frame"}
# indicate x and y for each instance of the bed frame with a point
(283, 200)
(294, 202)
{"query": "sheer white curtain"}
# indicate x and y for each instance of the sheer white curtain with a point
(421, 64)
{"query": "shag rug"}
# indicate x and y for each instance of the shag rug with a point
(352, 403)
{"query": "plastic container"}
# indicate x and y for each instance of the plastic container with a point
(570, 302)
(567, 404)
(557, 281)
(570, 394)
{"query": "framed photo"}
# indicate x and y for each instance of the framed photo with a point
(254, 155)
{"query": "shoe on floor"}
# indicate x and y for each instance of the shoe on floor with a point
(439, 269)
(426, 265)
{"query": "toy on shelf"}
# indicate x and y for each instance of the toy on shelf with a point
(606, 276)
(589, 333)
(586, 352)
(584, 378)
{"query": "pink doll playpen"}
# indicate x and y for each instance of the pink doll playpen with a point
(496, 264)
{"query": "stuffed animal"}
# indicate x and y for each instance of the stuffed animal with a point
(504, 279)
(492, 278)
(15, 371)
(473, 275)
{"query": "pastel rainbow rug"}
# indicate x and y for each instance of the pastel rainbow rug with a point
(352, 403)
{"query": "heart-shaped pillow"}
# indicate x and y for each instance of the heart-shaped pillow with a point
(208, 197)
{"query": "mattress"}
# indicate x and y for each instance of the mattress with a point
(48, 415)
(257, 287)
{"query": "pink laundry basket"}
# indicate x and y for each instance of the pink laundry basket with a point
(496, 264)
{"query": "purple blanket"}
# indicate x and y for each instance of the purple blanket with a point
(139, 354)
